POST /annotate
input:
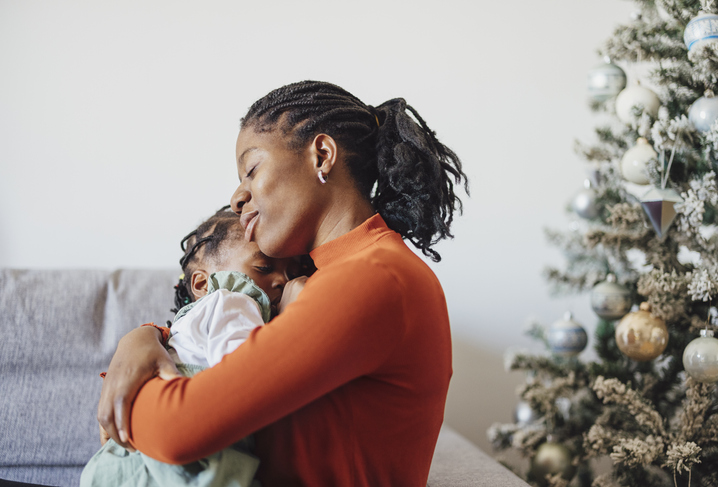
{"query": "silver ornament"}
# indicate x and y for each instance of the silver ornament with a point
(593, 172)
(585, 203)
(524, 414)
(567, 337)
(605, 81)
(610, 300)
(701, 30)
(700, 358)
(704, 112)
(563, 405)
(659, 205)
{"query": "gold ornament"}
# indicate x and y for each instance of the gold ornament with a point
(641, 336)
(552, 458)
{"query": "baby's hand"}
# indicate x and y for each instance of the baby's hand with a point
(291, 291)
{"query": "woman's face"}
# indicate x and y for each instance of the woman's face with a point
(277, 194)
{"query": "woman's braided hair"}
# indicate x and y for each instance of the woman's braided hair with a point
(394, 157)
(208, 237)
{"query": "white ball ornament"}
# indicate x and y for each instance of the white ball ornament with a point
(605, 81)
(636, 96)
(634, 161)
(701, 30)
(700, 358)
(704, 112)
(610, 300)
(567, 337)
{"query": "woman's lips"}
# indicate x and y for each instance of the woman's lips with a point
(248, 221)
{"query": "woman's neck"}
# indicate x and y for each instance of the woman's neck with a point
(346, 211)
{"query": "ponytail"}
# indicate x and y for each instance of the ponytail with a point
(416, 175)
(394, 157)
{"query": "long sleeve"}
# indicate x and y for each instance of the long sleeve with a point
(346, 387)
(339, 328)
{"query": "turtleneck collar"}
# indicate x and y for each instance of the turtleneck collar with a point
(352, 242)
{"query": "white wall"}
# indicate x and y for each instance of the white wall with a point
(118, 120)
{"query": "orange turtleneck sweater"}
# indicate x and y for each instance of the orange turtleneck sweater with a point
(345, 388)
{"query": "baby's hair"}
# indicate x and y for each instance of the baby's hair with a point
(394, 157)
(208, 237)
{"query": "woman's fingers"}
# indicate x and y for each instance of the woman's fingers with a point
(139, 357)
(105, 415)
(168, 371)
(103, 435)
(118, 392)
(122, 405)
(291, 291)
(122, 421)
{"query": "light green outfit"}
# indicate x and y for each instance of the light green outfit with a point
(237, 283)
(113, 466)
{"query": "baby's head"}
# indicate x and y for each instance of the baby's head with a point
(218, 244)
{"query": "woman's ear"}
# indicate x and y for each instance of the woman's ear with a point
(200, 281)
(324, 153)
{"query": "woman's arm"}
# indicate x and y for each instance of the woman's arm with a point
(339, 328)
(139, 357)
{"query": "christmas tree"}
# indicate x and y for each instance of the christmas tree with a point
(647, 405)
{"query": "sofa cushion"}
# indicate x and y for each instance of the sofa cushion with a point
(58, 331)
(458, 463)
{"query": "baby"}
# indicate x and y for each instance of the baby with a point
(229, 287)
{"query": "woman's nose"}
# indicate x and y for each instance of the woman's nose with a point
(239, 198)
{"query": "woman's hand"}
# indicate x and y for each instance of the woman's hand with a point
(103, 435)
(139, 357)
(291, 291)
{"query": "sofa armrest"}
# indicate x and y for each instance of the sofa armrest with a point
(458, 463)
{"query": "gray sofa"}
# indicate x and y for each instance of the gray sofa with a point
(59, 329)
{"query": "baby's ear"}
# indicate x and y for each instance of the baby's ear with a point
(200, 281)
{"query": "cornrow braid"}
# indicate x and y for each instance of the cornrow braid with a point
(208, 236)
(394, 157)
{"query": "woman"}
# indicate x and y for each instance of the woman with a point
(348, 385)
